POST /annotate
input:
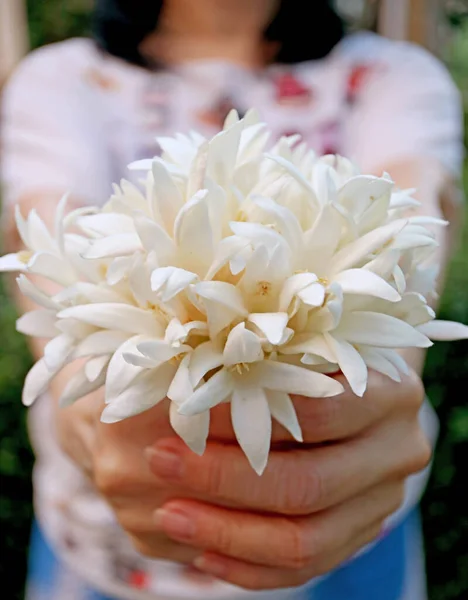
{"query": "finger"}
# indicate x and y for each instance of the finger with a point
(295, 482)
(293, 543)
(258, 577)
(339, 417)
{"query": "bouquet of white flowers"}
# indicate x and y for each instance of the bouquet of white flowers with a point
(232, 274)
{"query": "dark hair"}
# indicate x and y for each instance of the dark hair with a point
(304, 29)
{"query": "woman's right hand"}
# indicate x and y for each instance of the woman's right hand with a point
(113, 458)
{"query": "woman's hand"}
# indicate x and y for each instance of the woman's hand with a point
(315, 506)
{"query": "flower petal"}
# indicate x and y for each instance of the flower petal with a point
(120, 373)
(242, 346)
(362, 281)
(251, 421)
(57, 351)
(106, 315)
(80, 386)
(167, 200)
(381, 330)
(223, 303)
(95, 367)
(272, 325)
(375, 359)
(120, 244)
(144, 393)
(444, 331)
(13, 262)
(350, 362)
(101, 342)
(170, 281)
(38, 323)
(282, 410)
(36, 382)
(217, 389)
(193, 430)
(28, 289)
(204, 358)
(283, 377)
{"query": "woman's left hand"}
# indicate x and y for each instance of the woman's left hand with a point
(315, 506)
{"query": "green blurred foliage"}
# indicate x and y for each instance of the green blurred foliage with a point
(446, 377)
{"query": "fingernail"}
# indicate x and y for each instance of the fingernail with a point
(212, 567)
(164, 462)
(175, 524)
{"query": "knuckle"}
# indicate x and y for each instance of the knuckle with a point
(320, 420)
(214, 477)
(396, 499)
(109, 477)
(298, 554)
(414, 393)
(305, 492)
(422, 453)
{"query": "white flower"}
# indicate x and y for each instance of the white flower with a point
(235, 272)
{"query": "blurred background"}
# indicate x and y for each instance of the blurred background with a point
(440, 25)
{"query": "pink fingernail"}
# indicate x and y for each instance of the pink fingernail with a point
(164, 462)
(212, 567)
(175, 524)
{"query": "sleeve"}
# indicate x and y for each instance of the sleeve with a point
(51, 135)
(407, 106)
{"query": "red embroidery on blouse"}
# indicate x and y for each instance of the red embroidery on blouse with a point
(291, 91)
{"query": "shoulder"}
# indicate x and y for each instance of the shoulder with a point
(395, 57)
(58, 65)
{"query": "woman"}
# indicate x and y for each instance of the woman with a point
(75, 114)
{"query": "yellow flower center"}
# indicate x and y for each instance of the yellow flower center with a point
(239, 368)
(24, 256)
(263, 288)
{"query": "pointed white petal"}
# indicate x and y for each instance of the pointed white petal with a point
(313, 295)
(282, 410)
(38, 235)
(283, 377)
(350, 362)
(375, 359)
(14, 262)
(223, 303)
(352, 254)
(57, 351)
(95, 367)
(251, 421)
(120, 373)
(242, 346)
(166, 201)
(118, 269)
(52, 267)
(106, 315)
(101, 342)
(38, 323)
(79, 386)
(217, 389)
(161, 351)
(181, 387)
(203, 359)
(307, 343)
(362, 281)
(273, 325)
(120, 244)
(144, 393)
(193, 430)
(36, 382)
(106, 224)
(381, 330)
(292, 286)
(170, 281)
(154, 238)
(444, 330)
(32, 292)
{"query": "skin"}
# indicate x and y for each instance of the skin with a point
(317, 503)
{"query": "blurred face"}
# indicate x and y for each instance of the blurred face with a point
(203, 17)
